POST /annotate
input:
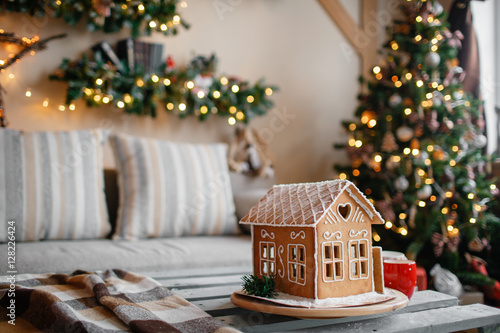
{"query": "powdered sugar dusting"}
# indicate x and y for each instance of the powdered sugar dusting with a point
(333, 302)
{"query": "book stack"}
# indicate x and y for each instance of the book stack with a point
(137, 54)
(131, 53)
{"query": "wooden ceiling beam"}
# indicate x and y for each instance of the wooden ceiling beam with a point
(363, 38)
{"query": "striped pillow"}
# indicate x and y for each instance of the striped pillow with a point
(51, 185)
(172, 189)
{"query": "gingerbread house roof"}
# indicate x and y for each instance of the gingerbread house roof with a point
(301, 204)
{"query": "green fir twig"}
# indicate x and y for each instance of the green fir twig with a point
(263, 287)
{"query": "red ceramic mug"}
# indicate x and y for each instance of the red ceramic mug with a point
(401, 275)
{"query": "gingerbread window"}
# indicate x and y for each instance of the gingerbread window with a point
(358, 259)
(333, 261)
(297, 263)
(267, 258)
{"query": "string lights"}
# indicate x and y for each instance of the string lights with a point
(24, 46)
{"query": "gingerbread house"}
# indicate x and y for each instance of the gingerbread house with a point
(315, 238)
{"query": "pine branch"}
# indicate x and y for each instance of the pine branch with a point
(263, 287)
(35, 46)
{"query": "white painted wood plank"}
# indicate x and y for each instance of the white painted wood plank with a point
(192, 272)
(421, 300)
(217, 304)
(206, 293)
(442, 320)
(194, 282)
(429, 299)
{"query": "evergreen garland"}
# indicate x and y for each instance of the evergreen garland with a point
(194, 90)
(141, 17)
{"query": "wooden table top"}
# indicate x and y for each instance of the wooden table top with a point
(427, 311)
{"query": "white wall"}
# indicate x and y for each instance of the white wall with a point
(292, 43)
(487, 31)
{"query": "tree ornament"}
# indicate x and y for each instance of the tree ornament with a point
(102, 7)
(447, 124)
(432, 123)
(470, 186)
(424, 192)
(437, 101)
(419, 129)
(438, 154)
(458, 95)
(432, 59)
(169, 64)
(392, 164)
(414, 144)
(480, 122)
(389, 142)
(386, 210)
(404, 133)
(407, 101)
(437, 8)
(404, 59)
(480, 141)
(401, 183)
(367, 115)
(477, 244)
(455, 75)
(395, 100)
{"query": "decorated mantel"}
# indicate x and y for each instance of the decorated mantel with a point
(313, 240)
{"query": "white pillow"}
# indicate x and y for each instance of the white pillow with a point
(172, 189)
(52, 185)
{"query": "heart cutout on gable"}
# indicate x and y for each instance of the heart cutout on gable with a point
(344, 210)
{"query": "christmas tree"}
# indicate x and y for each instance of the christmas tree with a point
(416, 147)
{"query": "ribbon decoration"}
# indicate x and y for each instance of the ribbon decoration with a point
(457, 74)
(479, 244)
(455, 38)
(439, 241)
(364, 152)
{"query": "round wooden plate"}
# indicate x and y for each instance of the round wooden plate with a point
(259, 305)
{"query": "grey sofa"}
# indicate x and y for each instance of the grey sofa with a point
(161, 254)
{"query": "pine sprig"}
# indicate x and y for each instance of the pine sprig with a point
(475, 279)
(263, 287)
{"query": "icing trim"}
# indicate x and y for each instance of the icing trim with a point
(328, 235)
(330, 218)
(264, 234)
(281, 271)
(301, 233)
(353, 233)
(362, 205)
(316, 264)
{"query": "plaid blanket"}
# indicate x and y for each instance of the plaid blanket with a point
(110, 301)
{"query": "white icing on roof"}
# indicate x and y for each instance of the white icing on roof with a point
(298, 204)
